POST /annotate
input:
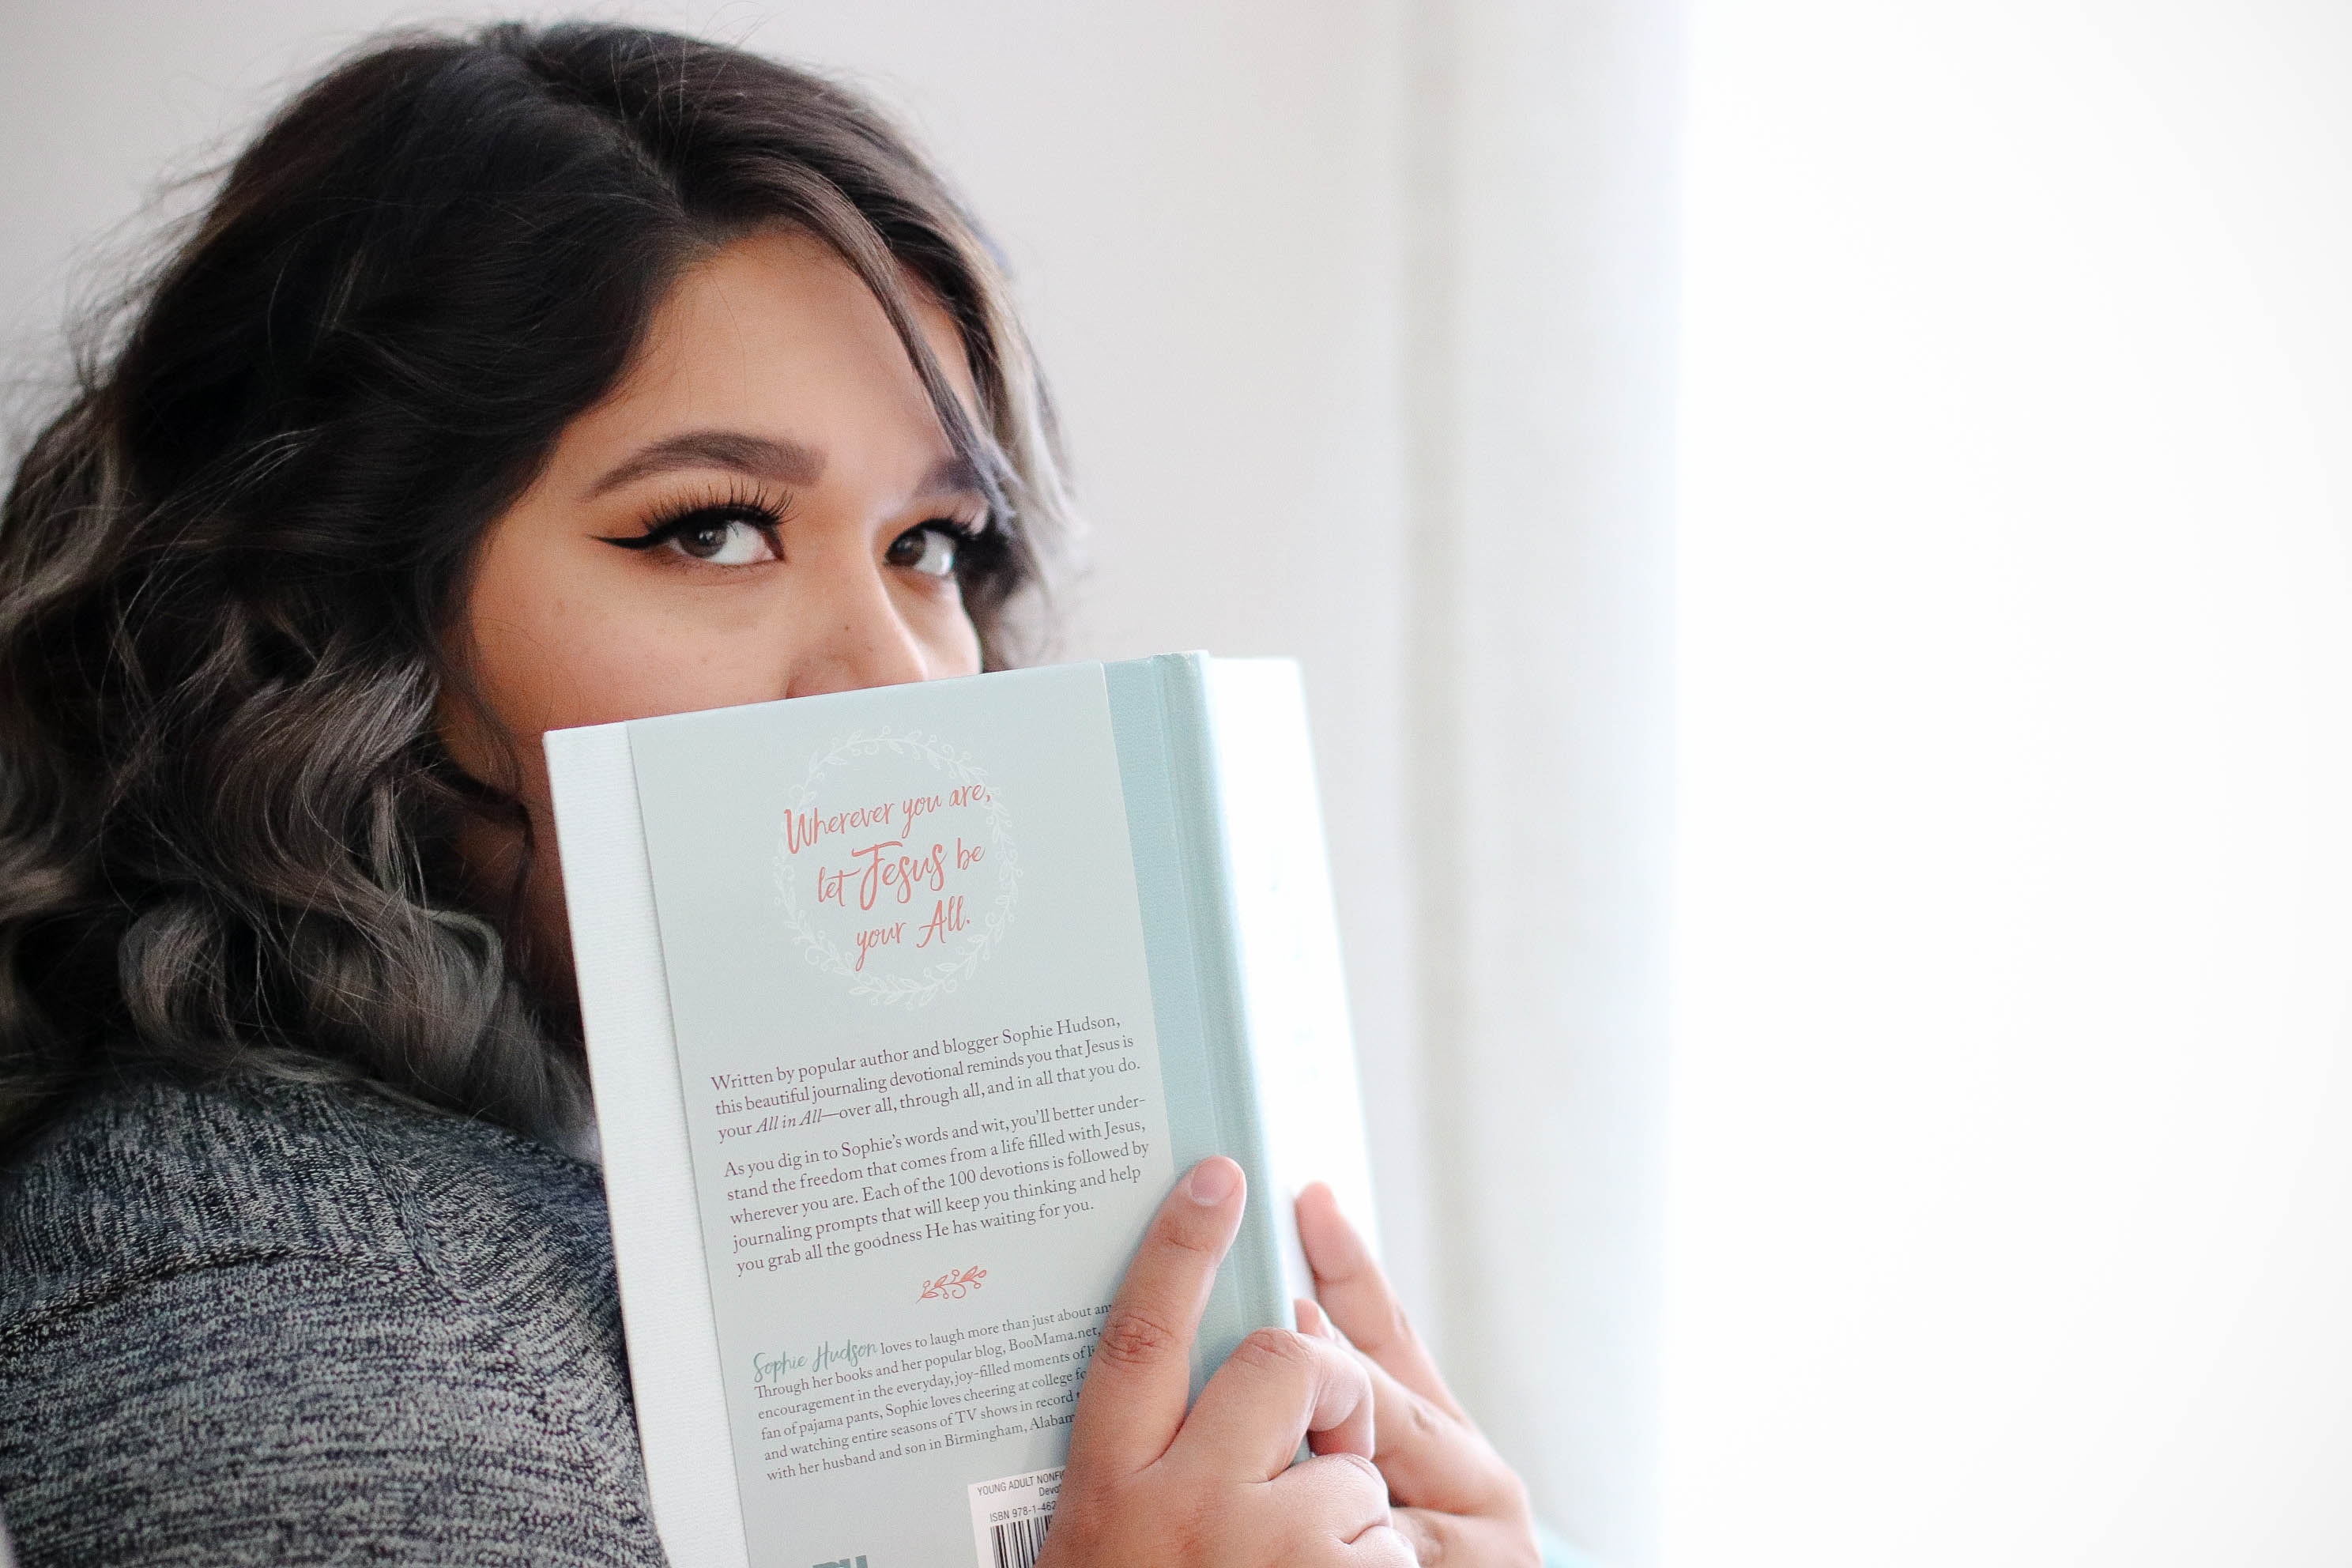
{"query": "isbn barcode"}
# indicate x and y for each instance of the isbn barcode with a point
(1018, 1540)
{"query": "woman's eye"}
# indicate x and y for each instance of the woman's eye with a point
(723, 541)
(929, 549)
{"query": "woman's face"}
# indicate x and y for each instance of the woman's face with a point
(765, 507)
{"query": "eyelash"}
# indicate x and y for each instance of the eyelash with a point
(969, 537)
(981, 544)
(735, 506)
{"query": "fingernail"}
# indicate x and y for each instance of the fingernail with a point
(1212, 1182)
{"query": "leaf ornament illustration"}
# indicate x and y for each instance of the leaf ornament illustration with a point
(954, 1285)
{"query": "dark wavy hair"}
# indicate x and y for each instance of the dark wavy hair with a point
(229, 566)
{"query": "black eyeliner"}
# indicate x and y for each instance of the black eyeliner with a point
(670, 523)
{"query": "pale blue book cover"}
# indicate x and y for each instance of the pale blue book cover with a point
(952, 981)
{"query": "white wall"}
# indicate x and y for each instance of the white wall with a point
(1542, 293)
(2012, 1193)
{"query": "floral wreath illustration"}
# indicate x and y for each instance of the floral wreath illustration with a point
(942, 977)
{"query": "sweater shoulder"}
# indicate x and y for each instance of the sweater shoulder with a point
(277, 1411)
(277, 1322)
(150, 1178)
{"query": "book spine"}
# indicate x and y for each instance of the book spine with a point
(1167, 750)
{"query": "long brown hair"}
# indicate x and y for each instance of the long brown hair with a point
(226, 820)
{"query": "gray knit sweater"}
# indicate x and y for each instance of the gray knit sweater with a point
(276, 1323)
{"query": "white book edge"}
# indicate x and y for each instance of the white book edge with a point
(1294, 986)
(673, 1338)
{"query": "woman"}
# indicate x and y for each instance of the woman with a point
(512, 382)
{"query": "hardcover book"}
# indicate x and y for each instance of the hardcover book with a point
(905, 1008)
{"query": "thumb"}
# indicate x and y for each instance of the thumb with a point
(1132, 1401)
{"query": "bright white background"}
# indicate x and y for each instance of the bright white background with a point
(2001, 357)
(2011, 1186)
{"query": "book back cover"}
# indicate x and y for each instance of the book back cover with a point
(913, 1025)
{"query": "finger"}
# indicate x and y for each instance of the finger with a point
(1432, 1459)
(1354, 1291)
(1131, 1403)
(1274, 1389)
(1333, 1499)
(1382, 1546)
(1458, 1541)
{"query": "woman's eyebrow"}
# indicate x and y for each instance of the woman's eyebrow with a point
(953, 476)
(762, 457)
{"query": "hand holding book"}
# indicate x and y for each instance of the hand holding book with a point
(1149, 1484)
(902, 1007)
(1457, 1501)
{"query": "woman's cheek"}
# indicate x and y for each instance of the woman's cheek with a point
(684, 669)
(950, 642)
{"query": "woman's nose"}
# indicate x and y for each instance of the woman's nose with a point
(862, 639)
